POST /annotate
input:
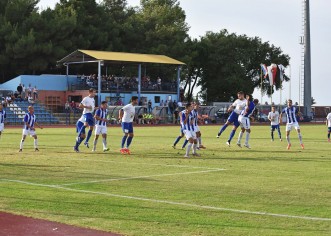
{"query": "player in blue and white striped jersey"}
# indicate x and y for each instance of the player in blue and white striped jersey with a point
(29, 129)
(101, 126)
(181, 133)
(244, 120)
(2, 118)
(196, 125)
(189, 131)
(292, 121)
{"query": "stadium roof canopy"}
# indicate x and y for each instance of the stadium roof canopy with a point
(85, 56)
(91, 56)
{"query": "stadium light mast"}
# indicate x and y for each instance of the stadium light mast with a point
(307, 60)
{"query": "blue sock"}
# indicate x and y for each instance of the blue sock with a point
(279, 133)
(328, 135)
(129, 141)
(81, 131)
(231, 135)
(89, 134)
(177, 140)
(124, 140)
(185, 142)
(222, 129)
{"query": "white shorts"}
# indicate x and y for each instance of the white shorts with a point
(289, 127)
(2, 127)
(100, 129)
(244, 122)
(190, 134)
(197, 128)
(27, 132)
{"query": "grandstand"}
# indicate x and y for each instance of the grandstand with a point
(16, 111)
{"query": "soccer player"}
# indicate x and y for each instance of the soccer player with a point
(79, 125)
(88, 104)
(29, 123)
(2, 119)
(273, 116)
(188, 119)
(101, 126)
(181, 134)
(236, 109)
(196, 125)
(126, 114)
(244, 120)
(291, 112)
(328, 123)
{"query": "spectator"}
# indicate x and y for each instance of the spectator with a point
(23, 92)
(179, 104)
(67, 107)
(159, 83)
(176, 115)
(30, 100)
(149, 106)
(8, 99)
(170, 107)
(30, 91)
(20, 89)
(35, 93)
(161, 103)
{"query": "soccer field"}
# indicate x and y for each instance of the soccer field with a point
(267, 190)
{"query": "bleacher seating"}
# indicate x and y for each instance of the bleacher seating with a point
(17, 110)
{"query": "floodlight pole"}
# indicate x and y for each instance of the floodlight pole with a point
(139, 82)
(307, 68)
(179, 68)
(99, 82)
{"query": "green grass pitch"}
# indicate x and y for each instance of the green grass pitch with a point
(227, 191)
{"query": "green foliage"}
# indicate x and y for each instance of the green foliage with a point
(32, 40)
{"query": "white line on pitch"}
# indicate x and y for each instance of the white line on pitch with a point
(136, 163)
(140, 177)
(172, 203)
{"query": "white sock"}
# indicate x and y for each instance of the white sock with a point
(240, 136)
(300, 138)
(35, 142)
(104, 142)
(288, 139)
(95, 144)
(188, 148)
(247, 137)
(199, 140)
(195, 148)
(21, 144)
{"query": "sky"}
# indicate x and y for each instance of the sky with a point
(277, 21)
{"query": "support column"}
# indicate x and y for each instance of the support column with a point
(139, 82)
(179, 68)
(307, 74)
(99, 83)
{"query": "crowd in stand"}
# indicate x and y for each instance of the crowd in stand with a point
(125, 83)
(22, 93)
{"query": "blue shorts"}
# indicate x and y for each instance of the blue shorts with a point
(233, 118)
(79, 125)
(329, 129)
(273, 127)
(127, 127)
(89, 119)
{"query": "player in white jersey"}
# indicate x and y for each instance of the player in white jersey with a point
(196, 124)
(328, 123)
(188, 128)
(126, 115)
(273, 116)
(292, 122)
(3, 116)
(244, 120)
(101, 126)
(29, 129)
(88, 103)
